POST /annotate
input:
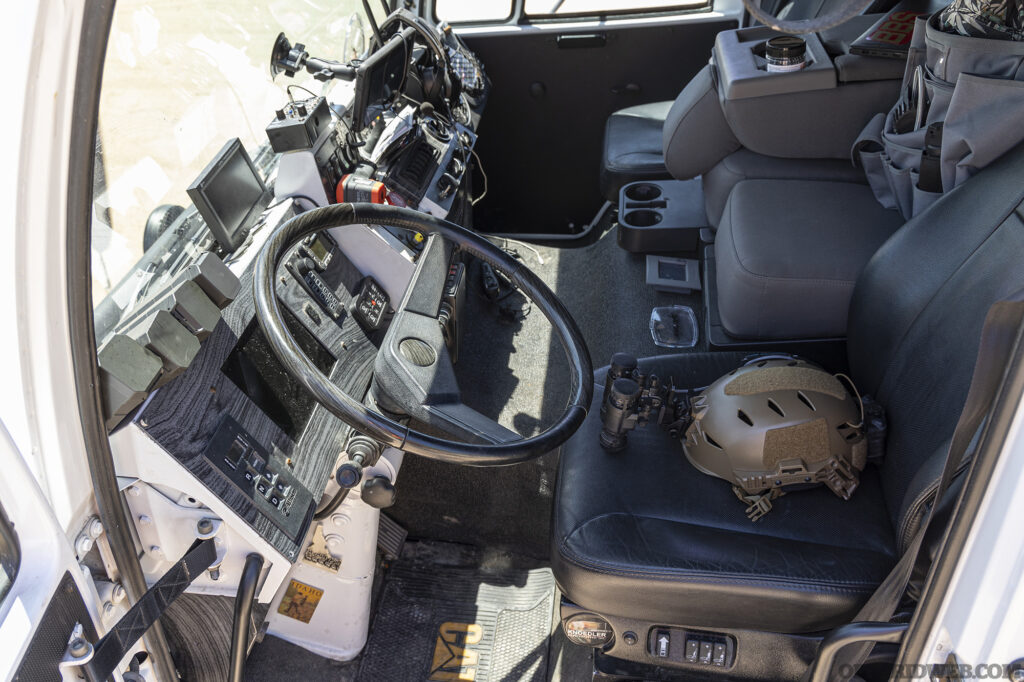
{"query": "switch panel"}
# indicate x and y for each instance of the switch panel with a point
(692, 647)
(268, 483)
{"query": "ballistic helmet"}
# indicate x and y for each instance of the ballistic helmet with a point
(777, 425)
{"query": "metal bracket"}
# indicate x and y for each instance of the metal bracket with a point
(852, 633)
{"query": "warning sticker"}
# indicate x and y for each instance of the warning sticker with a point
(318, 555)
(299, 601)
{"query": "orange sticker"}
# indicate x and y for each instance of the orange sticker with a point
(299, 601)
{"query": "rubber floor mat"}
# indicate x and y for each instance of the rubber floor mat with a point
(444, 623)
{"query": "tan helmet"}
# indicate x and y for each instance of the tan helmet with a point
(776, 425)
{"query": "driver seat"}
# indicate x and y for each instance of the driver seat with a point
(646, 541)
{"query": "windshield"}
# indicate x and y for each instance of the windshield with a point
(181, 79)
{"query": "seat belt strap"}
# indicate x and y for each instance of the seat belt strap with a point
(113, 646)
(1000, 338)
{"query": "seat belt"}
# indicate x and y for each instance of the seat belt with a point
(1000, 337)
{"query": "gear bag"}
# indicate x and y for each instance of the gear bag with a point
(960, 108)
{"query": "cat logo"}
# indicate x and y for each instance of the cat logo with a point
(452, 660)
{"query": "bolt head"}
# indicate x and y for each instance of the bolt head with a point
(78, 647)
(205, 526)
(156, 551)
(119, 593)
(83, 545)
(629, 638)
(145, 520)
(108, 608)
(95, 528)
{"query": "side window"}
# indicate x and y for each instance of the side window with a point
(552, 8)
(473, 11)
(10, 555)
(501, 11)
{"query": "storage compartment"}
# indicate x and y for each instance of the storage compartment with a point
(665, 215)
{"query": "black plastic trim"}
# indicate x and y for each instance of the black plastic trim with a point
(95, 32)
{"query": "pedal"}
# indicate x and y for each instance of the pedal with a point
(390, 537)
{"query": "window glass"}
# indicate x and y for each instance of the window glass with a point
(10, 555)
(591, 7)
(181, 79)
(456, 11)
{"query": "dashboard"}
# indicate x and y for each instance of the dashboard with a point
(193, 392)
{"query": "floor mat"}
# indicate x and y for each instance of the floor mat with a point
(451, 623)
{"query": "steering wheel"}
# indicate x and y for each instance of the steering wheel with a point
(846, 11)
(413, 367)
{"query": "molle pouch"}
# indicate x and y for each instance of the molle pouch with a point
(959, 109)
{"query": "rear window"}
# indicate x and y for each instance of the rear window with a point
(549, 8)
(484, 11)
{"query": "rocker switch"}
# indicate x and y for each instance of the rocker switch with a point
(661, 644)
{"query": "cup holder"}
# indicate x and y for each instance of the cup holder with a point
(643, 191)
(642, 218)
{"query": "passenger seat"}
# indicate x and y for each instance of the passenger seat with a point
(637, 138)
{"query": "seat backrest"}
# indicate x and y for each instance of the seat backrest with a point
(916, 317)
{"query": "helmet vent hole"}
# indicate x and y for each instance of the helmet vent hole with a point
(711, 441)
(743, 417)
(762, 363)
(774, 407)
(805, 400)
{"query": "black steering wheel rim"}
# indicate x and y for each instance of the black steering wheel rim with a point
(846, 11)
(371, 423)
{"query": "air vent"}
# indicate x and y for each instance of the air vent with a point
(806, 401)
(711, 441)
(774, 407)
(743, 417)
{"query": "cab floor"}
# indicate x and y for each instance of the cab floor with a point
(446, 612)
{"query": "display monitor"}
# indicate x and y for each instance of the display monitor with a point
(378, 79)
(230, 195)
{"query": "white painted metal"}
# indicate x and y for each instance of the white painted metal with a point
(982, 615)
(341, 621)
(156, 495)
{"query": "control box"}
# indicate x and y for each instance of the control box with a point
(298, 125)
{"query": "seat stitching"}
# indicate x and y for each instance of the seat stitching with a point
(815, 585)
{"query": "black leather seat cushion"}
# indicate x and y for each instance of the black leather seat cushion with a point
(642, 534)
(633, 147)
